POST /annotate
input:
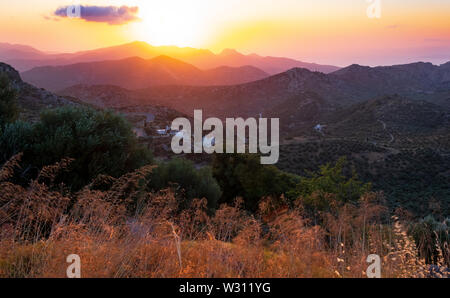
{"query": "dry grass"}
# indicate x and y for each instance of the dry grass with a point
(126, 232)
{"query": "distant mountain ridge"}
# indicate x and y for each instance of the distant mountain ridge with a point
(298, 96)
(348, 86)
(138, 73)
(16, 51)
(414, 77)
(301, 98)
(25, 58)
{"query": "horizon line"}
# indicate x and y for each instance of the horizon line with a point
(216, 53)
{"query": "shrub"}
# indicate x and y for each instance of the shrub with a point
(14, 139)
(244, 175)
(101, 142)
(195, 183)
(432, 239)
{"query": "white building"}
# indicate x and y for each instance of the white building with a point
(161, 132)
(209, 141)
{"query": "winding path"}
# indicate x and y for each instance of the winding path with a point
(384, 127)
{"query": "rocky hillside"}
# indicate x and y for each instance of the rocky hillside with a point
(381, 103)
(410, 79)
(390, 120)
(32, 100)
(340, 89)
(106, 96)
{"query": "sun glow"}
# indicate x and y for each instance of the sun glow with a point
(323, 31)
(171, 23)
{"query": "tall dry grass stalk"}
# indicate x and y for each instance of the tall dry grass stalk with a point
(120, 230)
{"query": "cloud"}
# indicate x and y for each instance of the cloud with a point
(112, 15)
(50, 18)
(392, 26)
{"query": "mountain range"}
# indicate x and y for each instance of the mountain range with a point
(340, 89)
(139, 73)
(302, 98)
(299, 97)
(24, 58)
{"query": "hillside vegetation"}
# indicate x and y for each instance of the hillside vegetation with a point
(120, 230)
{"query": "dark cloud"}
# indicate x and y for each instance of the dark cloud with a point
(112, 15)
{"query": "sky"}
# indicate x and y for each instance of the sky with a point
(338, 32)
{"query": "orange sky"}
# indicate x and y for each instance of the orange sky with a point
(324, 31)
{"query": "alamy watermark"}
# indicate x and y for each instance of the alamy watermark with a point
(373, 10)
(256, 140)
(374, 269)
(74, 269)
(73, 11)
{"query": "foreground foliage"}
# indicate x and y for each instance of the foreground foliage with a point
(120, 230)
(101, 142)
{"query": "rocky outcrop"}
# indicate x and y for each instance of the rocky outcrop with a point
(32, 100)
(12, 74)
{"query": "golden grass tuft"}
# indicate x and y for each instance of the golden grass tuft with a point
(124, 231)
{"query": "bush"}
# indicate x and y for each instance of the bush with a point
(432, 238)
(101, 142)
(14, 139)
(195, 183)
(244, 175)
(329, 188)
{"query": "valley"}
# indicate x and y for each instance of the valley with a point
(386, 131)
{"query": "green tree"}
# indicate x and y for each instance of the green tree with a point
(329, 187)
(8, 106)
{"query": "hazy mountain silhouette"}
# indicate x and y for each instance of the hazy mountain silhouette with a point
(204, 59)
(135, 73)
(272, 65)
(15, 51)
